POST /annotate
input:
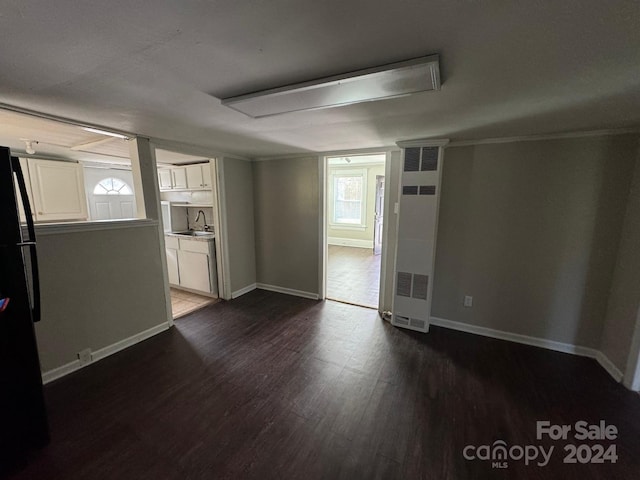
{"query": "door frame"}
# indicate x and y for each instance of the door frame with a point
(378, 213)
(323, 243)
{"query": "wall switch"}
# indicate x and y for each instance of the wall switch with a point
(468, 301)
(85, 356)
(396, 208)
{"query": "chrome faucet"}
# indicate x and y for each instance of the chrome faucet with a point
(205, 227)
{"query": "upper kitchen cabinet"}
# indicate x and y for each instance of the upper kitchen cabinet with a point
(199, 176)
(190, 177)
(206, 175)
(179, 178)
(58, 191)
(165, 179)
(194, 177)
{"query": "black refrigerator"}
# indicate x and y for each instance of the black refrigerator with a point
(23, 419)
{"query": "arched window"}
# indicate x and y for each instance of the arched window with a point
(112, 186)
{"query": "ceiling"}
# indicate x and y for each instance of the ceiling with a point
(159, 68)
(52, 139)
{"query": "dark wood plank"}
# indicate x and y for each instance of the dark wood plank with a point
(271, 386)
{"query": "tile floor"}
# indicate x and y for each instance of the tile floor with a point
(353, 275)
(183, 302)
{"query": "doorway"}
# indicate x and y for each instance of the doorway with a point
(354, 189)
(109, 193)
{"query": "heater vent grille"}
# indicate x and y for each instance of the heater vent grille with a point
(412, 159)
(417, 323)
(420, 286)
(410, 190)
(403, 286)
(429, 159)
(427, 190)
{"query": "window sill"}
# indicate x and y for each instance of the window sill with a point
(346, 226)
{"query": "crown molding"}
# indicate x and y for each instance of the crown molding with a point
(423, 142)
(550, 136)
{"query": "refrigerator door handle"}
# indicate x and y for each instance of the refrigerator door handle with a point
(31, 243)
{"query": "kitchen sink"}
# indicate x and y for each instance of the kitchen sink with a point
(194, 233)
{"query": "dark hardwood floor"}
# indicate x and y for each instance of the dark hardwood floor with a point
(271, 386)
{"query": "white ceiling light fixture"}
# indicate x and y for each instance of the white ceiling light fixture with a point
(387, 81)
(104, 132)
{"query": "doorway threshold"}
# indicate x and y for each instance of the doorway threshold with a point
(346, 302)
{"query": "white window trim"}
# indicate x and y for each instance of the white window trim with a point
(118, 194)
(351, 172)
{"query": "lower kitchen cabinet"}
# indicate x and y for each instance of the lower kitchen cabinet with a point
(194, 269)
(172, 266)
(191, 264)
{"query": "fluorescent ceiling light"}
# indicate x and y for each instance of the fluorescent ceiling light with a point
(104, 132)
(387, 81)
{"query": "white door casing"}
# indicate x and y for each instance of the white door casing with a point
(378, 215)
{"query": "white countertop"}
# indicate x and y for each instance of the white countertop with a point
(199, 238)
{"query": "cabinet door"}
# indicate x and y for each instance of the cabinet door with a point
(206, 175)
(25, 173)
(172, 266)
(194, 177)
(164, 179)
(58, 190)
(179, 177)
(194, 271)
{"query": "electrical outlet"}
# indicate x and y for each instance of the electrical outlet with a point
(85, 356)
(468, 301)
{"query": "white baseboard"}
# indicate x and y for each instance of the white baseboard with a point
(600, 357)
(244, 290)
(101, 353)
(287, 291)
(66, 369)
(608, 365)
(516, 337)
(127, 342)
(350, 242)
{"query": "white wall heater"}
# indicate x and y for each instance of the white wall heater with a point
(418, 203)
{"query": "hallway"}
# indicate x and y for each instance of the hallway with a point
(353, 275)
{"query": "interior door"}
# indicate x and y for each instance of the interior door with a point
(378, 216)
(111, 207)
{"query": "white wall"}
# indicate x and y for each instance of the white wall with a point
(531, 231)
(98, 288)
(236, 199)
(287, 210)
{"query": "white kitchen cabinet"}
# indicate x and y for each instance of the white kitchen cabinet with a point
(172, 266)
(171, 247)
(194, 177)
(191, 264)
(179, 178)
(194, 268)
(206, 175)
(165, 180)
(25, 174)
(58, 191)
(191, 177)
